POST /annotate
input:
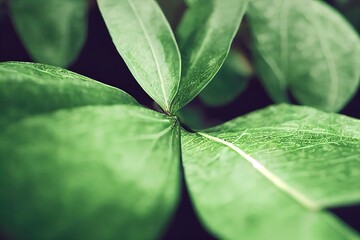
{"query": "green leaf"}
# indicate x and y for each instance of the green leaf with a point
(27, 89)
(229, 82)
(95, 172)
(171, 11)
(192, 116)
(53, 31)
(191, 2)
(205, 35)
(272, 173)
(144, 39)
(308, 48)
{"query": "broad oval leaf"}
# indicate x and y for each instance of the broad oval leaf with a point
(145, 41)
(272, 173)
(53, 31)
(308, 48)
(205, 35)
(28, 89)
(95, 172)
(229, 82)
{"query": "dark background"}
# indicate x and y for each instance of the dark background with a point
(99, 60)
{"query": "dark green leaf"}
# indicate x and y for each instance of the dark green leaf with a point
(271, 174)
(95, 172)
(28, 89)
(205, 35)
(172, 10)
(145, 40)
(308, 48)
(191, 2)
(192, 117)
(229, 82)
(53, 31)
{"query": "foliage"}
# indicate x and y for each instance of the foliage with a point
(83, 160)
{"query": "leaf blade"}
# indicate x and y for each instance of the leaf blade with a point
(28, 89)
(205, 35)
(310, 65)
(156, 68)
(75, 182)
(222, 169)
(53, 31)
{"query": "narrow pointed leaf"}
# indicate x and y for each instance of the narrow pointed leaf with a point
(205, 35)
(53, 31)
(308, 48)
(95, 172)
(231, 80)
(145, 41)
(272, 173)
(28, 89)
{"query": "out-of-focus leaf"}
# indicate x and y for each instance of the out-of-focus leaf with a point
(229, 82)
(145, 41)
(29, 89)
(205, 35)
(95, 172)
(192, 117)
(53, 31)
(308, 48)
(271, 174)
(172, 10)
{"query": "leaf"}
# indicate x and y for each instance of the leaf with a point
(28, 89)
(229, 82)
(308, 48)
(144, 39)
(94, 172)
(53, 31)
(273, 173)
(205, 35)
(171, 11)
(192, 116)
(191, 2)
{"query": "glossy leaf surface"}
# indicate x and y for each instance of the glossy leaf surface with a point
(95, 172)
(229, 82)
(205, 35)
(271, 173)
(28, 89)
(53, 31)
(145, 41)
(308, 48)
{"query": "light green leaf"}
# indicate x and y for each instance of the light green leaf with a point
(308, 48)
(229, 82)
(53, 31)
(271, 174)
(144, 39)
(95, 172)
(28, 89)
(205, 35)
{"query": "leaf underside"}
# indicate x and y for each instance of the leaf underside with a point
(205, 35)
(94, 172)
(53, 31)
(145, 41)
(308, 48)
(253, 178)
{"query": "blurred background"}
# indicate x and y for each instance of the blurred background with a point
(99, 60)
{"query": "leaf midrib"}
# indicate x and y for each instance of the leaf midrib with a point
(279, 183)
